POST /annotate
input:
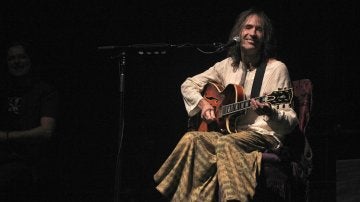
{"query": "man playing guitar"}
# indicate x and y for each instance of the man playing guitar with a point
(229, 159)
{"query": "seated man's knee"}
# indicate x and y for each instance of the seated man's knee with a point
(189, 137)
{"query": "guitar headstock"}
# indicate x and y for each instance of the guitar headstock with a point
(284, 96)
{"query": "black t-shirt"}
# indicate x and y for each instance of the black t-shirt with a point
(22, 104)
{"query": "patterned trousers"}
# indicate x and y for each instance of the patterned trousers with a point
(207, 166)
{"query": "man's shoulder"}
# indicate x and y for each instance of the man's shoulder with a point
(276, 64)
(41, 83)
(42, 86)
(225, 63)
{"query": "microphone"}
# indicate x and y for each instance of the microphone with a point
(108, 47)
(137, 46)
(234, 40)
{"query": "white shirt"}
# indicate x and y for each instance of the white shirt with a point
(276, 77)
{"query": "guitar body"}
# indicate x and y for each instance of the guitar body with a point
(217, 96)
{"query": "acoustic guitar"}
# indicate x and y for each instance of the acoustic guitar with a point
(229, 103)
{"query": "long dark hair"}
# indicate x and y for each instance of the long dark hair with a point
(269, 45)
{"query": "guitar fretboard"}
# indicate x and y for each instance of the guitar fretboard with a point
(238, 106)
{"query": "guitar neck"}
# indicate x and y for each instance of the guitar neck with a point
(238, 106)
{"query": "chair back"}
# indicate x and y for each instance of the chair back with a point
(303, 102)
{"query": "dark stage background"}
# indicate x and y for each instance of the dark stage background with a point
(315, 38)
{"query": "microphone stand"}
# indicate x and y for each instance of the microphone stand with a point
(121, 67)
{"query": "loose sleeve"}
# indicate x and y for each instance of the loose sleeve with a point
(283, 119)
(192, 87)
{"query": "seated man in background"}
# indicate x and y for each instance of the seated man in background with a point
(28, 110)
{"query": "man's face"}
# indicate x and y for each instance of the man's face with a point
(252, 34)
(18, 61)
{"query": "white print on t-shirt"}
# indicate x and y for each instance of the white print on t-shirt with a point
(14, 104)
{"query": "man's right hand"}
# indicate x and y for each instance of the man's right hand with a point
(207, 111)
